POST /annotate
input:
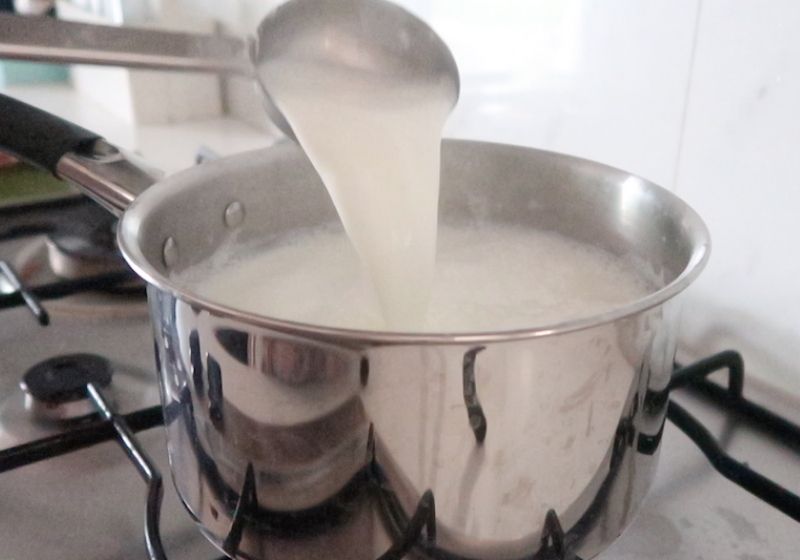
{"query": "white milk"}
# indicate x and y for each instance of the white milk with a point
(489, 278)
(376, 148)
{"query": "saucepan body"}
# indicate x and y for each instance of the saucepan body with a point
(297, 428)
(295, 440)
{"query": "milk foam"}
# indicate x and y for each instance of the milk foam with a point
(486, 278)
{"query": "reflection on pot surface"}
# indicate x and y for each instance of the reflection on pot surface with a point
(285, 437)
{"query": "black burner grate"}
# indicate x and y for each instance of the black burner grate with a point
(733, 401)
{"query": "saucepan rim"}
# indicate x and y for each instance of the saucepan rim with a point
(145, 203)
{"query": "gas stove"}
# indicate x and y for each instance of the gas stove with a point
(82, 450)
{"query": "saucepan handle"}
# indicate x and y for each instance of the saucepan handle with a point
(37, 136)
(83, 158)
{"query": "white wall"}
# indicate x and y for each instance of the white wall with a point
(740, 168)
(602, 80)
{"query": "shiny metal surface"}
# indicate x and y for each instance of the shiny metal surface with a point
(64, 412)
(49, 40)
(107, 175)
(374, 39)
(481, 183)
(282, 411)
(298, 413)
(65, 265)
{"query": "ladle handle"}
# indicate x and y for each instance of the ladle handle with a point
(81, 157)
(50, 40)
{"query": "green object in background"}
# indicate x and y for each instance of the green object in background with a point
(23, 183)
(16, 72)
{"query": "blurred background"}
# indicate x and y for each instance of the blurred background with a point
(700, 96)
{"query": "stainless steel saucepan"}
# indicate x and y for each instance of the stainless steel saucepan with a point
(282, 435)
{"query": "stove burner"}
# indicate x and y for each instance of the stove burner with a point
(41, 263)
(56, 388)
(80, 234)
(97, 240)
(87, 248)
(75, 257)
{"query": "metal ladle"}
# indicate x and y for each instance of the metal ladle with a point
(378, 40)
(375, 37)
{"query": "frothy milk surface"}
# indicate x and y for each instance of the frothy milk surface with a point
(486, 278)
(375, 144)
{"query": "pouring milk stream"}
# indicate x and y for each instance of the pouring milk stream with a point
(375, 144)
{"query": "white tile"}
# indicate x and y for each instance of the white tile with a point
(601, 80)
(739, 169)
(142, 96)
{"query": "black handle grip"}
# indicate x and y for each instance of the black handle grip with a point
(38, 136)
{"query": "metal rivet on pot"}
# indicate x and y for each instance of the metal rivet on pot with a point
(170, 252)
(234, 214)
